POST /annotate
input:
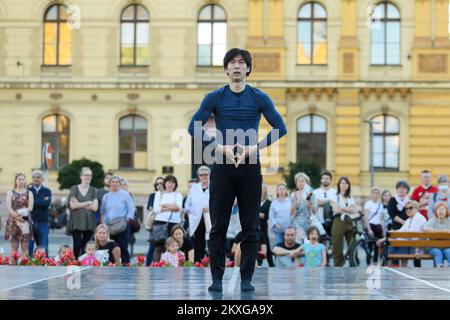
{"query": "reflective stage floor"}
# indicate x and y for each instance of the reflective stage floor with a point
(49, 283)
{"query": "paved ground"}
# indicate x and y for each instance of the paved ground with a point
(50, 283)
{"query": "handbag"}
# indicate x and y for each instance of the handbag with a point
(117, 226)
(135, 226)
(150, 220)
(160, 232)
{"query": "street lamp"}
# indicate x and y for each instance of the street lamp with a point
(371, 123)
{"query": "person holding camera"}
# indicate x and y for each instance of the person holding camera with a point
(304, 204)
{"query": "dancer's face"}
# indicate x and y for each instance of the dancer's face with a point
(237, 69)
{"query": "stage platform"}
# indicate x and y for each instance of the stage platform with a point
(50, 283)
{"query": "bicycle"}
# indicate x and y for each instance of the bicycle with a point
(359, 248)
(362, 244)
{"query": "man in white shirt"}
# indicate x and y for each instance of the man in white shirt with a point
(197, 208)
(324, 195)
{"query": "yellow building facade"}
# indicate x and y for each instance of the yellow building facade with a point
(117, 84)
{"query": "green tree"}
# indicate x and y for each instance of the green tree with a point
(69, 175)
(309, 167)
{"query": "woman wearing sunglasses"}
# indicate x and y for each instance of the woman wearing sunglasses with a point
(414, 223)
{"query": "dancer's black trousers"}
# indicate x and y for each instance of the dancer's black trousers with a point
(227, 183)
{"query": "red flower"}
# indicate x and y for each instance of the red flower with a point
(140, 260)
(205, 262)
(110, 264)
(230, 264)
(24, 261)
(15, 256)
(96, 263)
(261, 254)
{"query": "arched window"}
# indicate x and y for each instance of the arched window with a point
(57, 36)
(56, 131)
(385, 35)
(312, 139)
(386, 142)
(211, 35)
(132, 142)
(134, 39)
(312, 34)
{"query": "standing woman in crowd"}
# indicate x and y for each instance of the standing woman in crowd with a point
(83, 203)
(280, 212)
(385, 198)
(105, 247)
(19, 203)
(342, 226)
(263, 227)
(118, 207)
(304, 204)
(167, 207)
(159, 186)
(374, 222)
(396, 206)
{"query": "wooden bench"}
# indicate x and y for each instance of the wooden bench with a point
(416, 239)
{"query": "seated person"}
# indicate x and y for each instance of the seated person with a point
(440, 222)
(287, 252)
(414, 223)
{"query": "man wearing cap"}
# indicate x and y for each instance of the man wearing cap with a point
(39, 215)
(197, 208)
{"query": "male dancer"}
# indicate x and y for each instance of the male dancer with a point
(237, 109)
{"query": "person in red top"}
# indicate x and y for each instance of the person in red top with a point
(422, 193)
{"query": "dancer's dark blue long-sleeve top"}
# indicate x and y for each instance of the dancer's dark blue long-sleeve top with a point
(237, 111)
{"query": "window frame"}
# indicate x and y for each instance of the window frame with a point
(211, 21)
(56, 149)
(58, 23)
(311, 20)
(385, 21)
(310, 133)
(384, 135)
(135, 21)
(133, 149)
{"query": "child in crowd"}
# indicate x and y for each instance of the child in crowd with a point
(314, 252)
(88, 259)
(172, 256)
(64, 250)
(39, 251)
